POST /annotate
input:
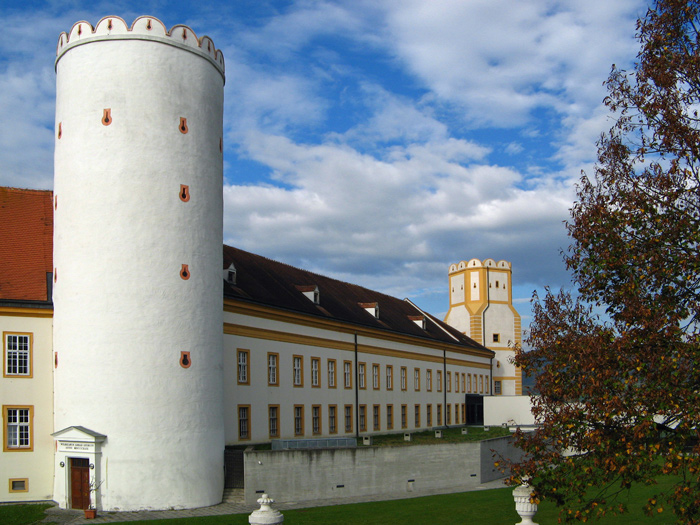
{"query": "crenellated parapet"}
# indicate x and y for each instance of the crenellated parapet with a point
(143, 28)
(476, 263)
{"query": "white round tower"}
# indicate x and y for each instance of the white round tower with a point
(137, 256)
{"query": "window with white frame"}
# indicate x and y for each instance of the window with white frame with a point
(272, 363)
(18, 354)
(243, 357)
(375, 376)
(389, 417)
(332, 423)
(315, 365)
(316, 419)
(244, 421)
(403, 416)
(375, 418)
(403, 378)
(363, 418)
(298, 370)
(429, 380)
(456, 381)
(18, 428)
(298, 420)
(389, 377)
(439, 380)
(347, 374)
(348, 418)
(416, 379)
(331, 373)
(416, 416)
(273, 420)
(361, 375)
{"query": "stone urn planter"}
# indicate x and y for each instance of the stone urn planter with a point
(525, 509)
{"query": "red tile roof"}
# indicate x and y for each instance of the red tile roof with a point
(26, 243)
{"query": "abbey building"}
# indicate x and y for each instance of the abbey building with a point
(135, 349)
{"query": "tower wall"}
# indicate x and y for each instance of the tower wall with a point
(137, 255)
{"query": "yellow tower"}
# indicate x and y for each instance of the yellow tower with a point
(481, 306)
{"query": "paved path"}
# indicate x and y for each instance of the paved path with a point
(63, 516)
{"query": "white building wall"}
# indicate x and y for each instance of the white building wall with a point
(125, 307)
(259, 336)
(34, 464)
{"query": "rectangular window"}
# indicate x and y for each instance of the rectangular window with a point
(243, 422)
(298, 420)
(348, 418)
(332, 419)
(331, 373)
(497, 388)
(273, 412)
(429, 380)
(464, 412)
(429, 414)
(243, 359)
(403, 378)
(19, 484)
(18, 428)
(375, 376)
(389, 377)
(298, 369)
(439, 414)
(347, 373)
(456, 413)
(315, 372)
(361, 375)
(456, 381)
(496, 338)
(416, 379)
(469, 383)
(439, 380)
(486, 384)
(448, 381)
(448, 414)
(375, 418)
(18, 354)
(389, 417)
(481, 384)
(272, 376)
(464, 383)
(404, 421)
(316, 419)
(363, 418)
(416, 415)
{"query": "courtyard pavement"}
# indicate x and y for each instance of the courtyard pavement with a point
(63, 516)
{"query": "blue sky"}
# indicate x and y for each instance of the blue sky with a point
(375, 141)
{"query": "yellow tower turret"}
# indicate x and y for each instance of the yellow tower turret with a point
(481, 306)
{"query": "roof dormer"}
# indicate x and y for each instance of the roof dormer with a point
(230, 274)
(419, 320)
(371, 308)
(310, 292)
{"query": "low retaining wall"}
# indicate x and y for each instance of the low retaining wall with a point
(299, 475)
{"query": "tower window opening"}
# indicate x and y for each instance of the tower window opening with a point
(496, 338)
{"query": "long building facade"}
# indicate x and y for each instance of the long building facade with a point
(135, 348)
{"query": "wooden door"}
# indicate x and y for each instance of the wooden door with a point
(79, 483)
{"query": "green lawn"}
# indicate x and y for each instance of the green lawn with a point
(487, 507)
(22, 514)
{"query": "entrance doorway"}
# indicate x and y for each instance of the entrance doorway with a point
(79, 483)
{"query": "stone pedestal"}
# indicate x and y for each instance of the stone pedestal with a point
(265, 515)
(525, 509)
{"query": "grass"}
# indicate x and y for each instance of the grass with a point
(449, 435)
(486, 507)
(23, 514)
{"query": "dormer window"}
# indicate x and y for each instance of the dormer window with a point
(311, 293)
(230, 274)
(371, 308)
(419, 320)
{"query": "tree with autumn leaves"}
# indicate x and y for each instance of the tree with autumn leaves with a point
(618, 360)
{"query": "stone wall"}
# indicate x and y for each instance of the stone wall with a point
(298, 475)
